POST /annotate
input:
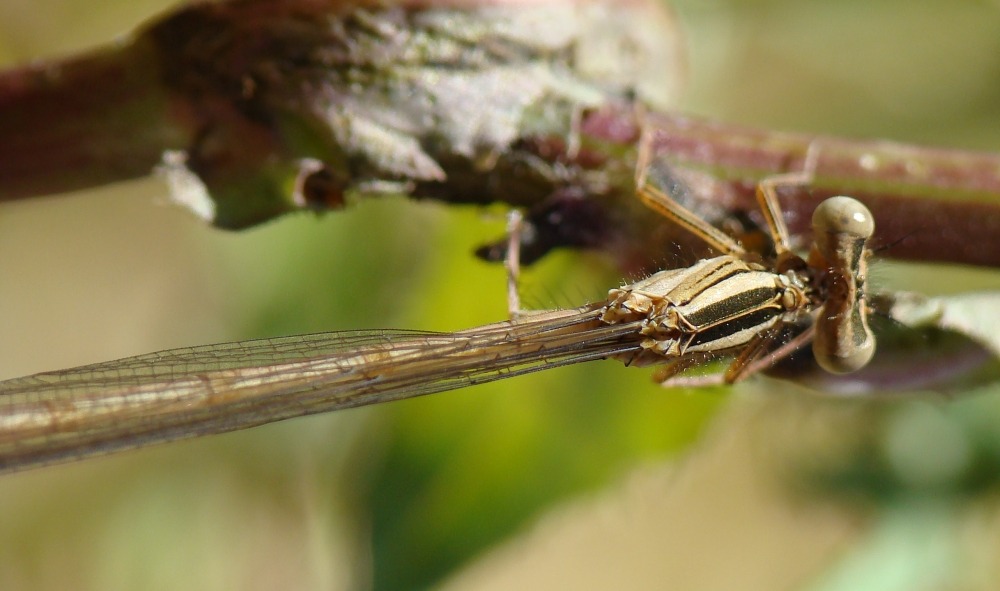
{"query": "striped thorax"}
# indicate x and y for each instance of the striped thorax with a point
(716, 305)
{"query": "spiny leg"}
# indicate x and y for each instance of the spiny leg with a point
(767, 199)
(512, 262)
(674, 211)
(757, 356)
(669, 375)
(515, 224)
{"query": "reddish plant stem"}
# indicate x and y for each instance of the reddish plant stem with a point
(83, 122)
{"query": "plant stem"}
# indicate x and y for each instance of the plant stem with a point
(83, 122)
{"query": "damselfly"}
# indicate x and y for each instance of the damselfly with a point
(739, 304)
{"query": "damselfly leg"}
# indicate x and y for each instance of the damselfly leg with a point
(512, 262)
(671, 209)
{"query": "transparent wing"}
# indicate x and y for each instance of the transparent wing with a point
(181, 393)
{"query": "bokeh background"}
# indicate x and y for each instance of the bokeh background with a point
(583, 477)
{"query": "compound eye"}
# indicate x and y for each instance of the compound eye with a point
(843, 342)
(844, 215)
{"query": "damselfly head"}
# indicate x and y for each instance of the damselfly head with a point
(843, 341)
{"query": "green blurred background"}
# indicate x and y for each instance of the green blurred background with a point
(586, 476)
